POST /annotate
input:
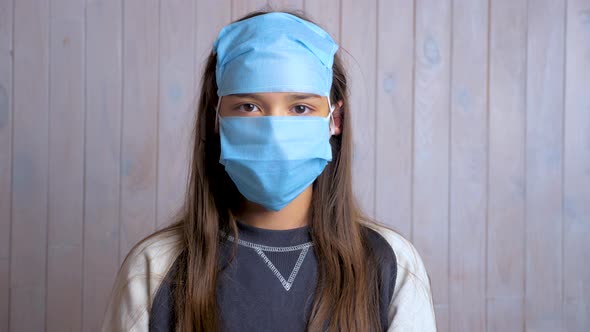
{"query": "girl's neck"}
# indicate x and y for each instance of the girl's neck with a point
(294, 215)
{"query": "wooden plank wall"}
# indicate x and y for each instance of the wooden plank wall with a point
(506, 166)
(472, 138)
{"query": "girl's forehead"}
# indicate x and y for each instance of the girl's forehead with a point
(278, 95)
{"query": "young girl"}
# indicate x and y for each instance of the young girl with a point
(270, 237)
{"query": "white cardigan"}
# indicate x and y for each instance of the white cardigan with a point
(137, 282)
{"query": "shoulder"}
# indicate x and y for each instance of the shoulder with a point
(379, 245)
(407, 257)
(385, 258)
(159, 249)
(411, 307)
(138, 280)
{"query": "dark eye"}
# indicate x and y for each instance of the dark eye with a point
(301, 109)
(248, 108)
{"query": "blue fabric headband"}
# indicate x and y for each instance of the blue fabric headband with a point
(274, 52)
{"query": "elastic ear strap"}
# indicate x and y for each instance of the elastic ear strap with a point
(332, 122)
(217, 113)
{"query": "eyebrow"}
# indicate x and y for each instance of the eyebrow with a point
(299, 97)
(291, 97)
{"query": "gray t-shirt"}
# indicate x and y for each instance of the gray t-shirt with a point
(270, 284)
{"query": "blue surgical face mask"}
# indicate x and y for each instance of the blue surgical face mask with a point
(273, 159)
(274, 52)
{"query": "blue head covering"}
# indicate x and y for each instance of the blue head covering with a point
(274, 52)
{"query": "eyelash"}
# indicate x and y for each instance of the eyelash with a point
(309, 109)
(240, 107)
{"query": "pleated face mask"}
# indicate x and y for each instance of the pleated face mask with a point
(273, 159)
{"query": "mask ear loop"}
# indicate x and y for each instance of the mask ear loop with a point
(332, 122)
(217, 114)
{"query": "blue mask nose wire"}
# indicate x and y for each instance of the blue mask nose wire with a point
(330, 115)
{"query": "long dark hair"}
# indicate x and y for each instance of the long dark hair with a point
(347, 296)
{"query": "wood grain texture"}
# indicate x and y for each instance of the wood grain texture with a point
(6, 65)
(431, 147)
(29, 166)
(506, 179)
(240, 8)
(139, 140)
(468, 165)
(286, 4)
(394, 115)
(102, 156)
(359, 42)
(326, 14)
(544, 166)
(175, 110)
(210, 18)
(66, 166)
(576, 195)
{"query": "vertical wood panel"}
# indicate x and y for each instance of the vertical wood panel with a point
(6, 62)
(505, 260)
(325, 13)
(140, 121)
(468, 162)
(29, 176)
(102, 156)
(394, 114)
(66, 166)
(544, 160)
(210, 18)
(286, 4)
(431, 147)
(358, 38)
(175, 111)
(240, 8)
(576, 254)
